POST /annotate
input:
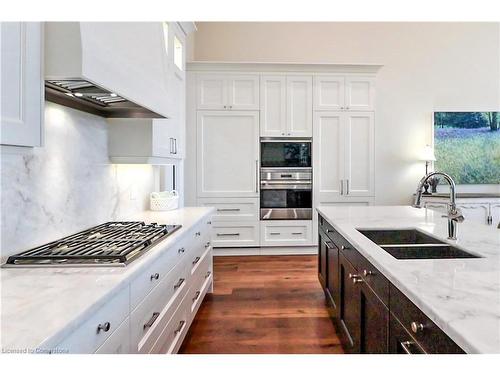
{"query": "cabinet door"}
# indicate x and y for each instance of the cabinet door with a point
(359, 154)
(299, 106)
(243, 92)
(349, 306)
(475, 212)
(374, 322)
(328, 156)
(227, 153)
(211, 91)
(400, 341)
(322, 259)
(329, 93)
(332, 273)
(359, 93)
(273, 106)
(22, 84)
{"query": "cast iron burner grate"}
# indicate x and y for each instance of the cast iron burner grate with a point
(112, 243)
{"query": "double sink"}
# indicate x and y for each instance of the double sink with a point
(414, 244)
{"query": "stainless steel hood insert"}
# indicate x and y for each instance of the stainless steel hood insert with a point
(85, 96)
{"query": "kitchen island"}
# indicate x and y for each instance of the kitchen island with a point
(143, 307)
(459, 297)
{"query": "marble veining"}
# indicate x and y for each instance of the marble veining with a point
(462, 296)
(67, 185)
(41, 306)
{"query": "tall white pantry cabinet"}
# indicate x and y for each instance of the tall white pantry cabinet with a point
(230, 106)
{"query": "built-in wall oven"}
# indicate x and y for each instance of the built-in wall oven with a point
(286, 179)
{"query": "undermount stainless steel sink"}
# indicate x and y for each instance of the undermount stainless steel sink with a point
(413, 244)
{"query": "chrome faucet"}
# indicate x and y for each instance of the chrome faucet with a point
(454, 214)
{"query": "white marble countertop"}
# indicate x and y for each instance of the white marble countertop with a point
(41, 306)
(462, 296)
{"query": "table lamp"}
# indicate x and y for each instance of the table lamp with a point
(427, 156)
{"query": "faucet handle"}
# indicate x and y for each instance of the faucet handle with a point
(455, 215)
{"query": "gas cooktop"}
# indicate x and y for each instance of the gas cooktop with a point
(114, 243)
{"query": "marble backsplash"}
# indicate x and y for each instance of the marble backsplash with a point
(68, 185)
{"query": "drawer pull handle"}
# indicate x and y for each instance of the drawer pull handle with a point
(103, 327)
(344, 247)
(209, 222)
(355, 278)
(327, 244)
(196, 260)
(227, 234)
(196, 295)
(197, 234)
(181, 250)
(406, 345)
(155, 276)
(416, 327)
(296, 233)
(274, 233)
(207, 274)
(329, 231)
(179, 328)
(179, 283)
(228, 209)
(368, 273)
(207, 245)
(151, 321)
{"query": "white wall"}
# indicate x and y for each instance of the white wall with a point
(68, 185)
(427, 67)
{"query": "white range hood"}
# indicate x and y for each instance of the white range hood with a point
(112, 69)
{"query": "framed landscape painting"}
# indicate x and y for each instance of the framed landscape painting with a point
(467, 146)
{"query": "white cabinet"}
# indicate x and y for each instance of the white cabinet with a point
(273, 106)
(232, 209)
(495, 214)
(359, 154)
(286, 233)
(235, 234)
(227, 153)
(22, 93)
(286, 106)
(343, 147)
(227, 92)
(337, 92)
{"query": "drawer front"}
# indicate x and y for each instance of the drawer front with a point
(174, 331)
(100, 326)
(235, 235)
(286, 233)
(200, 288)
(154, 275)
(326, 227)
(429, 336)
(400, 341)
(156, 309)
(198, 242)
(232, 209)
(374, 278)
(118, 342)
(198, 265)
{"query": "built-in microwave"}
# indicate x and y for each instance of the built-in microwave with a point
(285, 153)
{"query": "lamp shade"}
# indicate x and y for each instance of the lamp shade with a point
(427, 154)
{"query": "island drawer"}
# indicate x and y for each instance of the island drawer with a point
(426, 333)
(373, 277)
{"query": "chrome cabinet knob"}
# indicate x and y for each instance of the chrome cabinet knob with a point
(181, 250)
(155, 276)
(197, 234)
(225, 106)
(207, 245)
(103, 327)
(368, 273)
(416, 327)
(353, 275)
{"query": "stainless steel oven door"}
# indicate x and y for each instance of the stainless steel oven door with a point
(286, 202)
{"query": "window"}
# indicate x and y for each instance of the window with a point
(178, 53)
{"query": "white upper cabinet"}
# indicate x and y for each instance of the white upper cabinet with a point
(329, 93)
(227, 153)
(351, 92)
(343, 147)
(228, 92)
(286, 106)
(359, 154)
(22, 84)
(359, 93)
(273, 106)
(299, 106)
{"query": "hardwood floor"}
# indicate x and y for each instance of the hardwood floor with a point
(263, 304)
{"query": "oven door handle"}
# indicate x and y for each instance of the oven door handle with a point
(286, 186)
